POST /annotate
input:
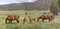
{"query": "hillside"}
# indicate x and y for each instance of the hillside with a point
(38, 5)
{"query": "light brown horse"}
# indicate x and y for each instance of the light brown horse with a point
(46, 17)
(11, 18)
(24, 20)
(31, 19)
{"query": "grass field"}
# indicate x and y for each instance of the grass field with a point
(55, 24)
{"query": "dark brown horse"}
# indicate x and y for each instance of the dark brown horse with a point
(11, 18)
(46, 17)
(31, 19)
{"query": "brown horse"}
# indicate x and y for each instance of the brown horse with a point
(31, 19)
(46, 17)
(10, 18)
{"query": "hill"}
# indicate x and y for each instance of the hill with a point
(37, 5)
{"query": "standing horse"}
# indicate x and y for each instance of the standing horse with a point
(24, 20)
(31, 19)
(46, 17)
(11, 18)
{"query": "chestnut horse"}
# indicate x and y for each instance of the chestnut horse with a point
(46, 17)
(31, 19)
(10, 18)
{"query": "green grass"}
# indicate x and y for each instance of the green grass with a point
(55, 24)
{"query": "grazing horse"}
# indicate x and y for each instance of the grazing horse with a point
(46, 17)
(10, 18)
(31, 19)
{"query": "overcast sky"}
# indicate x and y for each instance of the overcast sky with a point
(2, 2)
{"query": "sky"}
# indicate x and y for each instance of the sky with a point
(2, 2)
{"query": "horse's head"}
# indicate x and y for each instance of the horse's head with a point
(52, 16)
(38, 18)
(18, 16)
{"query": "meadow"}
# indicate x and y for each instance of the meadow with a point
(55, 24)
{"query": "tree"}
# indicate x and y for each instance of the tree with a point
(54, 7)
(59, 4)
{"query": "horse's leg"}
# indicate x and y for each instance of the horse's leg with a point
(17, 20)
(50, 19)
(30, 21)
(37, 20)
(34, 19)
(24, 21)
(43, 20)
(9, 21)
